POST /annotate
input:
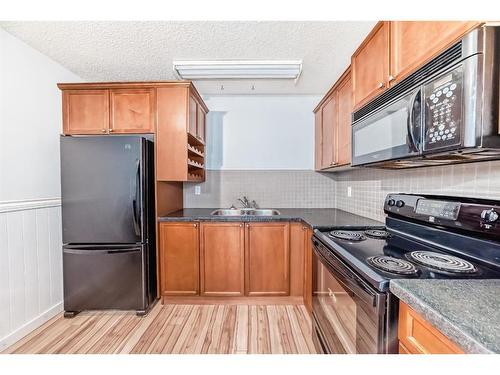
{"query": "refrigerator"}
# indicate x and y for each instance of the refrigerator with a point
(108, 223)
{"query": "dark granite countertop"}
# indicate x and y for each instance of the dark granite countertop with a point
(317, 218)
(466, 311)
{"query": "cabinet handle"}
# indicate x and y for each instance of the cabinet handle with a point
(103, 130)
(110, 130)
(391, 78)
(241, 225)
(381, 85)
(195, 225)
(248, 225)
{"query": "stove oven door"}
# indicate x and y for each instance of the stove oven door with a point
(348, 315)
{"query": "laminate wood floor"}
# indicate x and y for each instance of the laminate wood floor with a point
(172, 329)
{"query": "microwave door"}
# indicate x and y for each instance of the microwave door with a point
(393, 132)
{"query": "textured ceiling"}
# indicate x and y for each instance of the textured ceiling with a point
(134, 51)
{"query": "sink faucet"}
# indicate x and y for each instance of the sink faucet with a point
(246, 203)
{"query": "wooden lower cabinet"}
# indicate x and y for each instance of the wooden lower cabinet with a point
(222, 259)
(267, 259)
(236, 259)
(179, 259)
(308, 253)
(417, 336)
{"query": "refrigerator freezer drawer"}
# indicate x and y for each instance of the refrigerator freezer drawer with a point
(100, 278)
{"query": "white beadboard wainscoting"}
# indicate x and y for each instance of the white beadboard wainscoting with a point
(30, 266)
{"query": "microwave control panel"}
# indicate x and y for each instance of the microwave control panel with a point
(443, 111)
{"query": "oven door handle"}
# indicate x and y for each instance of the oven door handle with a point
(349, 282)
(412, 143)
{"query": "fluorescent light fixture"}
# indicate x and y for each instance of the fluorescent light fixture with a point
(238, 69)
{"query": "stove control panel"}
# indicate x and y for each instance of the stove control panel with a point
(466, 214)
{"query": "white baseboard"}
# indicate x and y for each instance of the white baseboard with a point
(33, 324)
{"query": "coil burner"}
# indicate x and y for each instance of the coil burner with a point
(347, 235)
(392, 265)
(442, 262)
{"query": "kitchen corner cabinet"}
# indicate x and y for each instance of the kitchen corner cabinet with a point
(395, 49)
(267, 259)
(179, 259)
(222, 259)
(180, 134)
(333, 125)
(417, 336)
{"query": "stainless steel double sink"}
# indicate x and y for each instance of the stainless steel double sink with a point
(245, 212)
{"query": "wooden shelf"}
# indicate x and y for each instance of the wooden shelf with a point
(195, 164)
(196, 177)
(195, 152)
(192, 140)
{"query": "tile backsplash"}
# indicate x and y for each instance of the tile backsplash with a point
(269, 188)
(303, 188)
(369, 187)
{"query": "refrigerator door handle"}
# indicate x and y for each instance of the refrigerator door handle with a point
(137, 196)
(90, 251)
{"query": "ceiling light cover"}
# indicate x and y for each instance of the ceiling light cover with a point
(239, 69)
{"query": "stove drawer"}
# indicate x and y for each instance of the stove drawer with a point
(417, 336)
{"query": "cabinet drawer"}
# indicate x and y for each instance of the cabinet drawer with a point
(417, 336)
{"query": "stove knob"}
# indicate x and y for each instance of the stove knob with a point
(400, 204)
(391, 202)
(489, 216)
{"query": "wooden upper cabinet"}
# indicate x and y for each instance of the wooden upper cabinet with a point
(267, 259)
(179, 259)
(413, 43)
(132, 111)
(417, 336)
(193, 113)
(344, 99)
(222, 261)
(333, 125)
(329, 124)
(370, 65)
(85, 111)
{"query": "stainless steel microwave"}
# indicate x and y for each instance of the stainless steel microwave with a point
(446, 112)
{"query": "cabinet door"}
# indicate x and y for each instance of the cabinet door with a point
(85, 111)
(267, 259)
(179, 257)
(192, 118)
(417, 336)
(200, 127)
(318, 140)
(297, 233)
(413, 43)
(132, 111)
(344, 99)
(370, 65)
(222, 259)
(329, 124)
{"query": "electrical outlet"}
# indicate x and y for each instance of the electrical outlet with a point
(349, 191)
(197, 190)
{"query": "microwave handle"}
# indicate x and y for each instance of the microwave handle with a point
(410, 124)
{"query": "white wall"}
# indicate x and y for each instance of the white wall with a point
(260, 132)
(30, 227)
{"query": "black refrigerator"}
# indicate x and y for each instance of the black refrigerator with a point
(108, 223)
